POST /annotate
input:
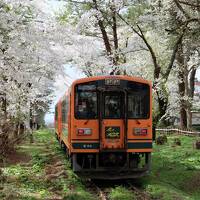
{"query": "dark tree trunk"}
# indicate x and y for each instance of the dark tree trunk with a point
(183, 118)
(115, 37)
(103, 31)
(191, 82)
(105, 38)
(162, 104)
(181, 88)
(4, 106)
(191, 95)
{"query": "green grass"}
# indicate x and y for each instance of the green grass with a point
(121, 193)
(174, 170)
(175, 173)
(29, 181)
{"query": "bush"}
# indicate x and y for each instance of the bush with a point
(177, 141)
(198, 144)
(162, 139)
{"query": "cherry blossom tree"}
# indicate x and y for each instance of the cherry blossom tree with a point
(136, 38)
(29, 62)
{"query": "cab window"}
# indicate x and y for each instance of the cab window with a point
(113, 105)
(86, 101)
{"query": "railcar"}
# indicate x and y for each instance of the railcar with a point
(105, 125)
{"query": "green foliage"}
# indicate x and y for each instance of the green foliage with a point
(121, 193)
(137, 10)
(7, 7)
(71, 14)
(196, 127)
(40, 159)
(164, 192)
(174, 175)
(30, 181)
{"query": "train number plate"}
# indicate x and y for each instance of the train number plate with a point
(112, 132)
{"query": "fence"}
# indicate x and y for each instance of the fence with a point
(178, 131)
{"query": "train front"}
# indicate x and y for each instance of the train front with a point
(111, 127)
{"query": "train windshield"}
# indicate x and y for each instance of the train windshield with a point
(138, 100)
(113, 101)
(113, 105)
(86, 101)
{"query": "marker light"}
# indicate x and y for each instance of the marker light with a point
(84, 131)
(140, 131)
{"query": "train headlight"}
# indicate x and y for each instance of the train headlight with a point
(84, 131)
(140, 131)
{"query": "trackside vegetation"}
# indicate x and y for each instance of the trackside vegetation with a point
(45, 174)
(40, 170)
(175, 170)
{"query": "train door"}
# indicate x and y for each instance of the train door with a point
(112, 134)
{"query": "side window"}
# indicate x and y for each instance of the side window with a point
(56, 113)
(64, 110)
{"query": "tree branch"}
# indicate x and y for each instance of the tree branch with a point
(133, 29)
(173, 56)
(142, 36)
(175, 49)
(103, 31)
(181, 9)
(153, 55)
(189, 4)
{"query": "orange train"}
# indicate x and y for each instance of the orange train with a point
(105, 125)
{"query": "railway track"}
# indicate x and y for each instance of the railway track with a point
(138, 191)
(99, 188)
(103, 188)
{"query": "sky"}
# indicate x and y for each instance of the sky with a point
(50, 7)
(61, 84)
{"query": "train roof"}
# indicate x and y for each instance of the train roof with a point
(88, 79)
(122, 77)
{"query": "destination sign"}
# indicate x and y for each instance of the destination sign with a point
(112, 81)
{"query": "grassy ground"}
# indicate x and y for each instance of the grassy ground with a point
(40, 170)
(175, 170)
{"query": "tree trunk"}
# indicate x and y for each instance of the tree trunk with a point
(115, 37)
(4, 106)
(192, 81)
(183, 107)
(182, 87)
(191, 95)
(162, 105)
(189, 118)
(183, 118)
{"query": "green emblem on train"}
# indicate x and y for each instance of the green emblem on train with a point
(112, 132)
